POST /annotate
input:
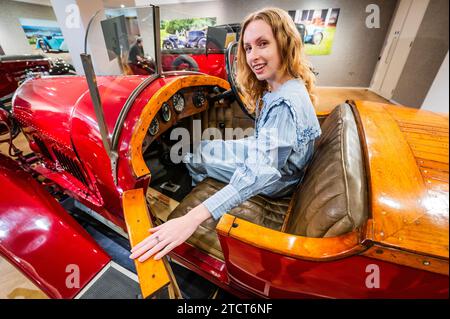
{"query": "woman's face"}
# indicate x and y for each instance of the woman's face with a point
(261, 50)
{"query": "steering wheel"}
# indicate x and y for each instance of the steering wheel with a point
(230, 63)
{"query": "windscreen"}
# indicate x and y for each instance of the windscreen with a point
(186, 42)
(127, 36)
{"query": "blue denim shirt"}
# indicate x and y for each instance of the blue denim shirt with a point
(271, 162)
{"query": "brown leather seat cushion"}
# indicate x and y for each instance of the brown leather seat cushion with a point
(259, 210)
(330, 201)
(332, 198)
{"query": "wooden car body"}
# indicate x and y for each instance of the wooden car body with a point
(92, 136)
(406, 235)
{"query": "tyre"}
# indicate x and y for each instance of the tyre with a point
(201, 43)
(167, 45)
(184, 62)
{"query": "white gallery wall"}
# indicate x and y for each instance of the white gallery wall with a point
(428, 51)
(350, 64)
(353, 57)
(12, 36)
(356, 47)
(437, 99)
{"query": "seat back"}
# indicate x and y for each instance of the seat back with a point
(332, 198)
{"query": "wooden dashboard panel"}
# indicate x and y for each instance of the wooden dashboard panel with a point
(188, 83)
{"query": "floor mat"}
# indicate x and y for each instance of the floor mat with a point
(177, 175)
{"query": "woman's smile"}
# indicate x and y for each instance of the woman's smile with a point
(259, 68)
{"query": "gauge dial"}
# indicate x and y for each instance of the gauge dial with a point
(199, 99)
(178, 102)
(154, 127)
(165, 112)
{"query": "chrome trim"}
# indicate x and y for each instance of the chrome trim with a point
(100, 218)
(37, 60)
(123, 113)
(157, 39)
(88, 28)
(91, 80)
(183, 72)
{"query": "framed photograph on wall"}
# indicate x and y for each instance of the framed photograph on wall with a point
(320, 27)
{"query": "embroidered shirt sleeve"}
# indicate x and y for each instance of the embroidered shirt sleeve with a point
(274, 143)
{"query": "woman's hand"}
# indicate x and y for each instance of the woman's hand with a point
(169, 235)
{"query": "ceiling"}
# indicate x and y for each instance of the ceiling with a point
(118, 3)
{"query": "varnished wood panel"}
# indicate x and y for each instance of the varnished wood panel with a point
(308, 248)
(152, 274)
(152, 107)
(408, 259)
(408, 177)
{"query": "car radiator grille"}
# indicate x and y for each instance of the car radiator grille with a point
(40, 143)
(70, 166)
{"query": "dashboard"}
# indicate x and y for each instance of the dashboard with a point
(184, 103)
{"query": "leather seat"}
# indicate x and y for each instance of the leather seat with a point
(330, 201)
(259, 210)
(332, 198)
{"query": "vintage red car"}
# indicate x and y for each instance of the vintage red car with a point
(208, 58)
(369, 220)
(14, 70)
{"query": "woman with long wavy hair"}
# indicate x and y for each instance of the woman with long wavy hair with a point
(279, 85)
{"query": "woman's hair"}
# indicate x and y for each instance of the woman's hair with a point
(290, 48)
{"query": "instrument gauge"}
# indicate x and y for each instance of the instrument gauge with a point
(178, 102)
(199, 99)
(154, 127)
(165, 112)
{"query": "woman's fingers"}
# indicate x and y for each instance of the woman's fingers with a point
(147, 244)
(139, 245)
(164, 238)
(165, 251)
(144, 242)
(154, 250)
(153, 229)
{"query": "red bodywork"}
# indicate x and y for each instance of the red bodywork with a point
(66, 129)
(12, 71)
(212, 63)
(271, 275)
(40, 238)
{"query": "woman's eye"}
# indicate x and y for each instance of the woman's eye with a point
(248, 49)
(263, 44)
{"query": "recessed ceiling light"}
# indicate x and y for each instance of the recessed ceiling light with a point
(122, 6)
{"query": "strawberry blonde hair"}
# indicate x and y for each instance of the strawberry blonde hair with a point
(290, 48)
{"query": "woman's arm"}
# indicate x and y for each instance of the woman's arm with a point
(273, 146)
(275, 141)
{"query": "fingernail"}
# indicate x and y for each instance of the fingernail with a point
(131, 256)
